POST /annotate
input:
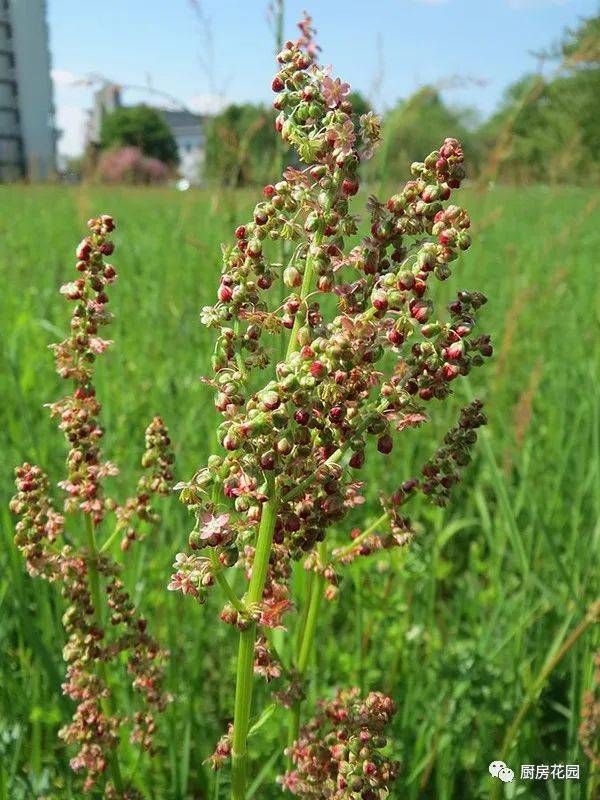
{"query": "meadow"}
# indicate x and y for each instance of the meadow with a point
(477, 630)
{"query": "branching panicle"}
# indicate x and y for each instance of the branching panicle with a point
(102, 625)
(287, 473)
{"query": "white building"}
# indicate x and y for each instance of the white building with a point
(189, 133)
(188, 130)
(27, 129)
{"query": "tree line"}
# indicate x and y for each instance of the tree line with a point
(546, 128)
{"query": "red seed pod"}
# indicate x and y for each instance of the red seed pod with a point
(317, 369)
(350, 187)
(325, 283)
(454, 351)
(450, 371)
(302, 416)
(358, 459)
(406, 280)
(379, 299)
(420, 310)
(337, 414)
(83, 250)
(419, 288)
(271, 401)
(385, 444)
(225, 293)
(395, 337)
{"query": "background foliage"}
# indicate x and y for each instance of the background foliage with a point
(547, 127)
(141, 127)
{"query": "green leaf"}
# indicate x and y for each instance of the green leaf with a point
(264, 717)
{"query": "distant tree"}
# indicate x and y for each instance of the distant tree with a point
(548, 129)
(142, 127)
(360, 104)
(417, 125)
(581, 46)
(241, 145)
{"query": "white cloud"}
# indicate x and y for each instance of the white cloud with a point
(71, 121)
(207, 103)
(63, 77)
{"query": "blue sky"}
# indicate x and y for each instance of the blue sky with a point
(405, 42)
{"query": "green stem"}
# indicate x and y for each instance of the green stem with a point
(245, 663)
(309, 269)
(245, 670)
(306, 640)
(302, 623)
(360, 539)
(94, 584)
(225, 585)
(111, 538)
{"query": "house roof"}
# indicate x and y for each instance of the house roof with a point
(181, 119)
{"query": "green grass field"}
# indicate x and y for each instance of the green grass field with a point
(464, 628)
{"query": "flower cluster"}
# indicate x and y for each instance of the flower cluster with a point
(222, 751)
(193, 575)
(157, 460)
(442, 471)
(338, 753)
(39, 525)
(102, 624)
(349, 381)
(333, 389)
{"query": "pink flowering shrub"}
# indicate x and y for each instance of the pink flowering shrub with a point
(130, 165)
(293, 450)
(104, 629)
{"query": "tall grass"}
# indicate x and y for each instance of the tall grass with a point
(471, 615)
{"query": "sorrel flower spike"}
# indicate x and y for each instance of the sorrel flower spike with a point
(371, 369)
(338, 753)
(100, 620)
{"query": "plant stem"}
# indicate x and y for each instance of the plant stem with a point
(361, 537)
(245, 664)
(94, 584)
(309, 268)
(302, 622)
(306, 640)
(245, 671)
(111, 538)
(225, 585)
